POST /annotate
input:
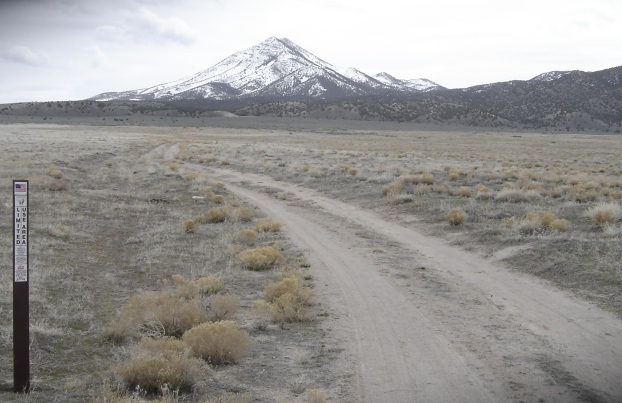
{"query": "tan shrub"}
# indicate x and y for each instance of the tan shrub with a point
(510, 195)
(454, 175)
(261, 258)
(267, 225)
(422, 189)
(484, 192)
(218, 342)
(234, 249)
(530, 224)
(223, 307)
(207, 192)
(192, 175)
(190, 226)
(287, 271)
(217, 214)
(218, 199)
(173, 166)
(209, 285)
(547, 218)
(560, 225)
(286, 308)
(456, 216)
(155, 363)
(55, 173)
(156, 313)
(57, 185)
(316, 396)
(441, 189)
(605, 214)
(184, 289)
(246, 236)
(292, 285)
(243, 214)
(464, 191)
(393, 189)
(427, 178)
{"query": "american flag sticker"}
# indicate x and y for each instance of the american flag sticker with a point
(21, 187)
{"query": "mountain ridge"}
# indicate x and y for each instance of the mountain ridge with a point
(274, 67)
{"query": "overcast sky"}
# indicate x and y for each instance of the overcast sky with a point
(75, 49)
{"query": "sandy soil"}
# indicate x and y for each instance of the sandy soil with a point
(425, 321)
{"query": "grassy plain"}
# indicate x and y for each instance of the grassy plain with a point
(109, 221)
(544, 204)
(112, 259)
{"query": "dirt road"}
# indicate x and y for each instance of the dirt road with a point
(429, 322)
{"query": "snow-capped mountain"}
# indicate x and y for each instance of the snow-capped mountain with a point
(418, 84)
(276, 67)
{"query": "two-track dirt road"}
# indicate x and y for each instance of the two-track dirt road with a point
(428, 322)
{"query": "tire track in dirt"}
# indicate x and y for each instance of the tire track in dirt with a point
(402, 359)
(469, 331)
(579, 345)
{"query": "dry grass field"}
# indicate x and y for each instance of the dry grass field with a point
(140, 256)
(548, 205)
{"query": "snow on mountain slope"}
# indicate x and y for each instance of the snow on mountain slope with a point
(419, 84)
(550, 76)
(274, 67)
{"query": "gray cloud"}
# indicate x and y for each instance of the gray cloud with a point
(146, 26)
(24, 55)
(151, 27)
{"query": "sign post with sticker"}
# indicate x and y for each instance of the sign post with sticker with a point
(21, 303)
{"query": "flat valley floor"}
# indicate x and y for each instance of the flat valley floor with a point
(519, 300)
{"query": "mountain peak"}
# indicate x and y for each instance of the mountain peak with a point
(276, 67)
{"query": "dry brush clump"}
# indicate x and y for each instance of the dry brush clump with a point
(209, 285)
(286, 300)
(218, 342)
(190, 226)
(57, 185)
(243, 214)
(605, 214)
(156, 363)
(393, 189)
(169, 312)
(537, 223)
(156, 313)
(223, 307)
(55, 173)
(217, 214)
(260, 258)
(456, 216)
(246, 236)
(268, 225)
(517, 195)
